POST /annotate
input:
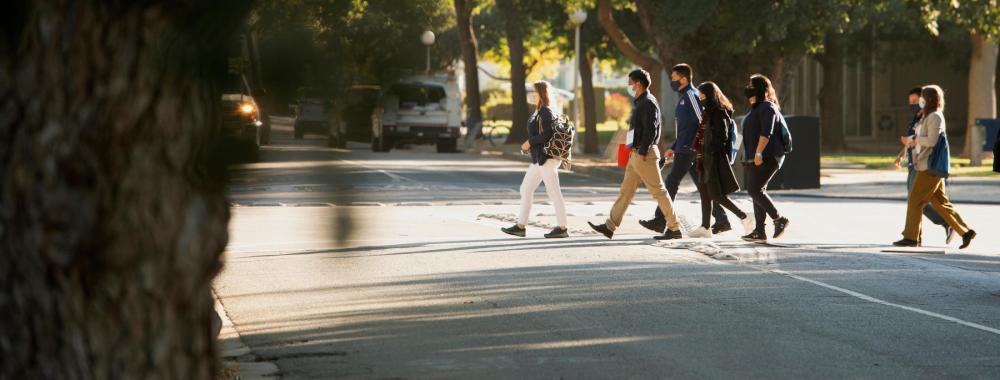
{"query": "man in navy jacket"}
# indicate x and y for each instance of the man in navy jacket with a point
(688, 117)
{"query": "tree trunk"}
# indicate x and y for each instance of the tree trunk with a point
(469, 45)
(831, 95)
(515, 43)
(658, 34)
(628, 49)
(982, 95)
(114, 209)
(589, 105)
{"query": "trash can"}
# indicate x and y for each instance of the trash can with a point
(801, 167)
(992, 127)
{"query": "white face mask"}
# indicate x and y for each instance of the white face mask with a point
(922, 103)
(631, 90)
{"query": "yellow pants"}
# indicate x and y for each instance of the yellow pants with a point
(930, 188)
(644, 170)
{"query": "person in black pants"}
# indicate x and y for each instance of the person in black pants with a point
(688, 116)
(764, 147)
(712, 159)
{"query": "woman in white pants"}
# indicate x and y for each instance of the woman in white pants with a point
(542, 169)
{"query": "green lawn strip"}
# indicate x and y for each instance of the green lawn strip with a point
(960, 166)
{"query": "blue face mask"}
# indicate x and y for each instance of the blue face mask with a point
(631, 90)
(675, 85)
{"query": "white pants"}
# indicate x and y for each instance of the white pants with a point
(548, 173)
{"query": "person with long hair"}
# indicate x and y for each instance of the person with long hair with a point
(711, 147)
(764, 148)
(929, 186)
(542, 169)
(913, 97)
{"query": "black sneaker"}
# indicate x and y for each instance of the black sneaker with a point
(603, 229)
(654, 225)
(906, 243)
(779, 226)
(967, 238)
(669, 235)
(514, 230)
(949, 234)
(557, 232)
(720, 228)
(757, 236)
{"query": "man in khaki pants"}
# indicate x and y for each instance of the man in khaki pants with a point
(643, 135)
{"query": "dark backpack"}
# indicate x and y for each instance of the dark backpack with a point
(786, 135)
(733, 144)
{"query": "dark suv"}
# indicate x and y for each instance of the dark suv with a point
(241, 124)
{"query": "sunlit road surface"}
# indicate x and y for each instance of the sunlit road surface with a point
(351, 264)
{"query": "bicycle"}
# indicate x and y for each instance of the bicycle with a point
(495, 133)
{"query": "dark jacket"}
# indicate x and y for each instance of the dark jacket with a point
(996, 154)
(717, 175)
(911, 131)
(763, 120)
(538, 138)
(688, 116)
(645, 122)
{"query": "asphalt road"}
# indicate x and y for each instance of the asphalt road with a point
(351, 264)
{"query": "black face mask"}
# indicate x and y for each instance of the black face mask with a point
(749, 92)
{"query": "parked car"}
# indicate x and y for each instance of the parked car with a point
(418, 110)
(241, 124)
(354, 115)
(312, 116)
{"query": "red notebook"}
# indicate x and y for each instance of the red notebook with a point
(623, 153)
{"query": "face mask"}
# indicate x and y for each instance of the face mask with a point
(922, 103)
(631, 90)
(915, 108)
(675, 85)
(749, 92)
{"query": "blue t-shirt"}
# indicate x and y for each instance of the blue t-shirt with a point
(764, 120)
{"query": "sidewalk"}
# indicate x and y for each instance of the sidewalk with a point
(837, 181)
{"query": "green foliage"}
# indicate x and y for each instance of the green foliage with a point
(978, 16)
(329, 44)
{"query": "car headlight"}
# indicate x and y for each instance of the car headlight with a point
(247, 108)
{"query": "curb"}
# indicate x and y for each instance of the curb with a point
(237, 359)
(587, 170)
(617, 176)
(779, 193)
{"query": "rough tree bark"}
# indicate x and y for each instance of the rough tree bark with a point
(515, 44)
(469, 45)
(589, 105)
(113, 207)
(982, 94)
(831, 94)
(628, 49)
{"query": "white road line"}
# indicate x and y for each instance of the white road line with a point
(868, 298)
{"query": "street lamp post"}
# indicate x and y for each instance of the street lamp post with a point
(577, 18)
(428, 39)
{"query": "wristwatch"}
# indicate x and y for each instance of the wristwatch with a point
(758, 154)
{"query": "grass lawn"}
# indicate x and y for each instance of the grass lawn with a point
(959, 166)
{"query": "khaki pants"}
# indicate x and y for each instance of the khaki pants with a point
(642, 170)
(930, 188)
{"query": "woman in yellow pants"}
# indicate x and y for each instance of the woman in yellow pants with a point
(929, 187)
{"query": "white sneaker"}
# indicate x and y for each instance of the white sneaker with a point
(748, 224)
(700, 232)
